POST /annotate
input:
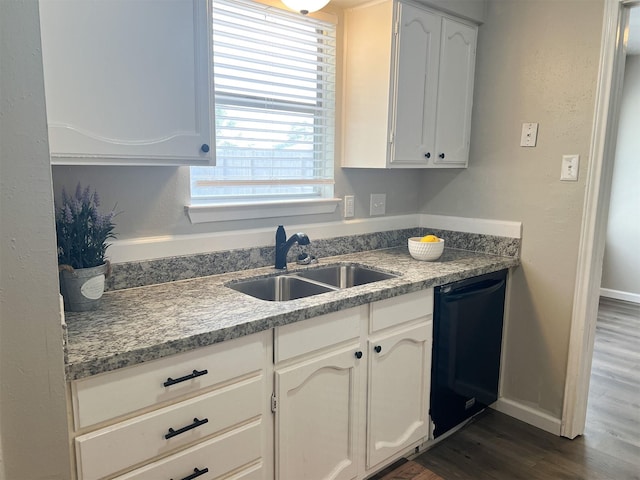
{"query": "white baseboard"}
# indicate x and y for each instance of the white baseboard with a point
(619, 295)
(149, 248)
(528, 415)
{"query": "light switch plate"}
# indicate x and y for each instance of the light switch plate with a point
(570, 164)
(349, 206)
(378, 204)
(529, 135)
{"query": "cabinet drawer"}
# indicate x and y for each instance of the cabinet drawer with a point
(100, 398)
(317, 333)
(400, 309)
(120, 446)
(238, 449)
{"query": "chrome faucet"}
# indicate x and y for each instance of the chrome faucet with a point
(283, 245)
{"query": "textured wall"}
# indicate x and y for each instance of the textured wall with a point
(152, 199)
(537, 61)
(32, 387)
(621, 267)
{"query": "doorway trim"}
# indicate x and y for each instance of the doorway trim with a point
(594, 223)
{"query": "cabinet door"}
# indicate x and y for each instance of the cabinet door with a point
(455, 94)
(399, 379)
(316, 418)
(416, 86)
(127, 82)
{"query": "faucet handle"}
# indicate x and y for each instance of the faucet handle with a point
(306, 259)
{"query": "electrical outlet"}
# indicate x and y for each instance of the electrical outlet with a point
(349, 206)
(570, 164)
(529, 135)
(378, 204)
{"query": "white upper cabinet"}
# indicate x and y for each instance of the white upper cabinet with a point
(128, 81)
(455, 93)
(416, 88)
(408, 91)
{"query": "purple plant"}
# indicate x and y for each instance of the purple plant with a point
(82, 231)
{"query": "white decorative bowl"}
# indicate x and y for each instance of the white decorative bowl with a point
(425, 250)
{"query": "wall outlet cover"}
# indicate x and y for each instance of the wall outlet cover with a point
(378, 204)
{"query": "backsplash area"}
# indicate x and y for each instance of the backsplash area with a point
(168, 269)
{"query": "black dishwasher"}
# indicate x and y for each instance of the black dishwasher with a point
(467, 339)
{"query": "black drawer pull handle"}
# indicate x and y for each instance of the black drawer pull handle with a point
(441, 155)
(196, 423)
(428, 154)
(196, 473)
(358, 354)
(204, 148)
(377, 348)
(170, 381)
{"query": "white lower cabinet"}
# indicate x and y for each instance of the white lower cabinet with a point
(350, 408)
(316, 418)
(350, 393)
(237, 451)
(221, 426)
(128, 443)
(317, 380)
(398, 392)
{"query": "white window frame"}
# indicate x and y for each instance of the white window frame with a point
(229, 208)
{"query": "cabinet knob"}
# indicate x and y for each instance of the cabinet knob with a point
(441, 155)
(204, 148)
(428, 154)
(358, 354)
(377, 348)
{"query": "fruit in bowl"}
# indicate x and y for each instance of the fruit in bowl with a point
(428, 247)
(429, 239)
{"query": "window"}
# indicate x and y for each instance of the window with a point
(274, 78)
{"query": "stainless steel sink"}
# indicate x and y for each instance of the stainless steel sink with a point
(345, 275)
(280, 288)
(306, 283)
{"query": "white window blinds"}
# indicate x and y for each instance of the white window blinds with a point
(274, 76)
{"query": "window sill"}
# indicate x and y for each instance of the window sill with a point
(245, 211)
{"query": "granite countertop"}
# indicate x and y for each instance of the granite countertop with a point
(145, 323)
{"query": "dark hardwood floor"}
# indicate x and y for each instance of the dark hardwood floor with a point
(496, 446)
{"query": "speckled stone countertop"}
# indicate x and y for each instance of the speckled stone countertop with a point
(136, 325)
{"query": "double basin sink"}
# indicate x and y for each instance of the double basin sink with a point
(305, 283)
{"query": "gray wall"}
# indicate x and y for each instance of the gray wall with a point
(32, 388)
(152, 199)
(537, 61)
(621, 267)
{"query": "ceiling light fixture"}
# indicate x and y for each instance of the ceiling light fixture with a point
(305, 6)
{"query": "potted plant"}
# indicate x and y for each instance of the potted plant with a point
(82, 233)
